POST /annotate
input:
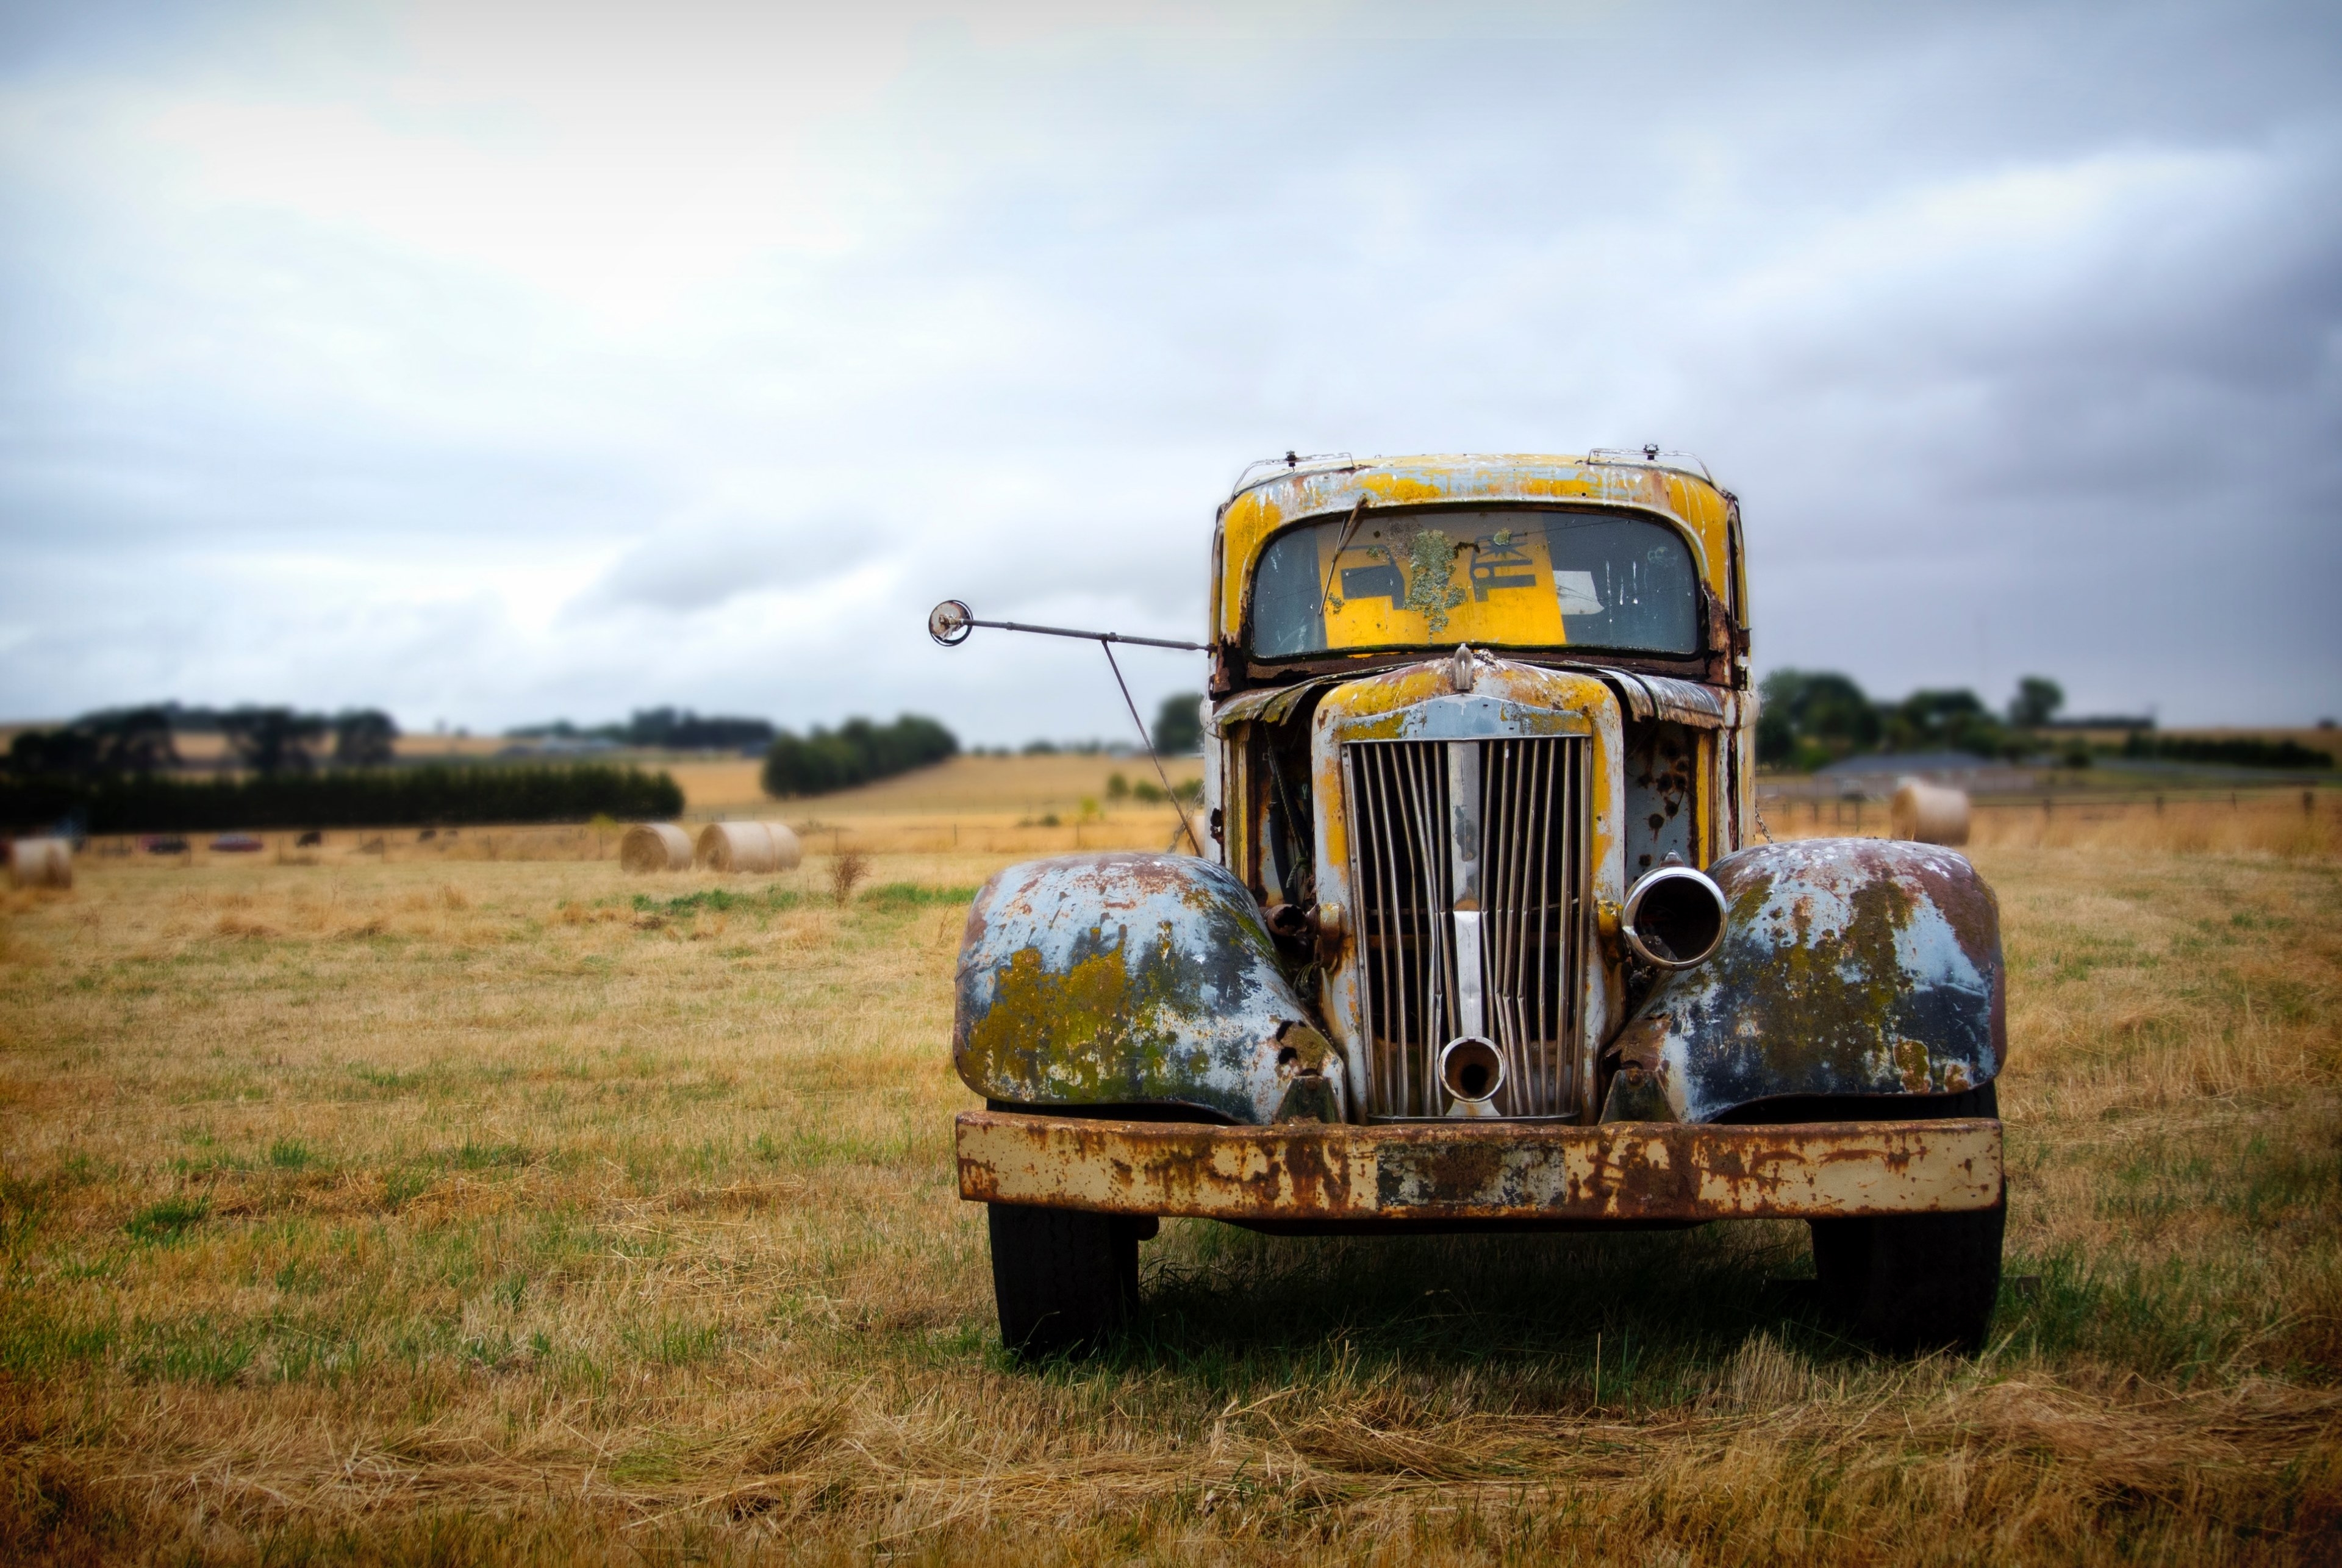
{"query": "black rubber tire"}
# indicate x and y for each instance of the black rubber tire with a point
(1064, 1280)
(1916, 1282)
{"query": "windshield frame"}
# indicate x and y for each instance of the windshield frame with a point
(1703, 589)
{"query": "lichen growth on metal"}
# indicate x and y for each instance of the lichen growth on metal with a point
(1122, 979)
(1849, 966)
(1431, 588)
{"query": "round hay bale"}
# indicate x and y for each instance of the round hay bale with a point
(654, 847)
(1930, 814)
(750, 846)
(40, 862)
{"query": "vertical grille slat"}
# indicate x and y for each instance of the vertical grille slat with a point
(1532, 809)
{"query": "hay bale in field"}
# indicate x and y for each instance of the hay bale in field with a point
(654, 847)
(1930, 814)
(40, 862)
(755, 846)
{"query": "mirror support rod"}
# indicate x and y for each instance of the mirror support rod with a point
(950, 623)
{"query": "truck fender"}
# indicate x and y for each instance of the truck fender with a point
(1848, 966)
(1134, 980)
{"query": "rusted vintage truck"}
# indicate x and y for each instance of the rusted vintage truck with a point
(1481, 935)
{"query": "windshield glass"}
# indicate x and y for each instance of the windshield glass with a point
(1502, 576)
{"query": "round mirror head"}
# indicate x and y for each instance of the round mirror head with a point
(950, 622)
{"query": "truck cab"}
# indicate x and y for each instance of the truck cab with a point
(1481, 935)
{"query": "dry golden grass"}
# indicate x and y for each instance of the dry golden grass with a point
(2291, 823)
(966, 788)
(424, 1207)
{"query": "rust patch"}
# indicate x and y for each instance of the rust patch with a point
(1492, 1170)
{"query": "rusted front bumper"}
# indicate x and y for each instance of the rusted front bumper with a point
(1473, 1171)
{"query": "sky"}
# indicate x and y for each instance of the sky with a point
(491, 363)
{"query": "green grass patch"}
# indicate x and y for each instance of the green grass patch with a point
(898, 895)
(387, 1081)
(161, 1223)
(196, 1351)
(475, 1156)
(718, 901)
(674, 1341)
(34, 1342)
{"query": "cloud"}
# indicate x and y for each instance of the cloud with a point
(706, 562)
(482, 367)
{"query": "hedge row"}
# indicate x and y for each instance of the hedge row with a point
(434, 795)
(2241, 752)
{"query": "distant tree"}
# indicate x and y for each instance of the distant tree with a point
(2036, 701)
(1179, 727)
(137, 741)
(100, 745)
(364, 738)
(857, 752)
(1811, 717)
(1952, 719)
(273, 740)
(683, 730)
(61, 752)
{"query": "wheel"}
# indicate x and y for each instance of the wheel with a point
(1916, 1282)
(1064, 1280)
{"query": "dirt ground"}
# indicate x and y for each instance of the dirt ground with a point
(472, 1202)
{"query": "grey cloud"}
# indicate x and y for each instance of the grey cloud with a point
(707, 562)
(2097, 436)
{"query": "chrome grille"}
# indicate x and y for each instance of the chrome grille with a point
(1472, 848)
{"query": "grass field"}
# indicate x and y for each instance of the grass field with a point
(1001, 790)
(440, 1206)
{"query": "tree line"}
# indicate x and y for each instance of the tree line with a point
(430, 795)
(661, 729)
(115, 741)
(2235, 751)
(1810, 718)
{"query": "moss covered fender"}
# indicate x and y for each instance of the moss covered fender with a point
(1134, 980)
(1849, 966)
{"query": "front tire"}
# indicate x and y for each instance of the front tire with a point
(1916, 1282)
(1064, 1280)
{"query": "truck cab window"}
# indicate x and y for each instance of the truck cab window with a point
(1496, 577)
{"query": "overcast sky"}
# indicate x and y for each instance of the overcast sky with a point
(490, 362)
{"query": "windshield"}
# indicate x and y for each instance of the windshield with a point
(1503, 577)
